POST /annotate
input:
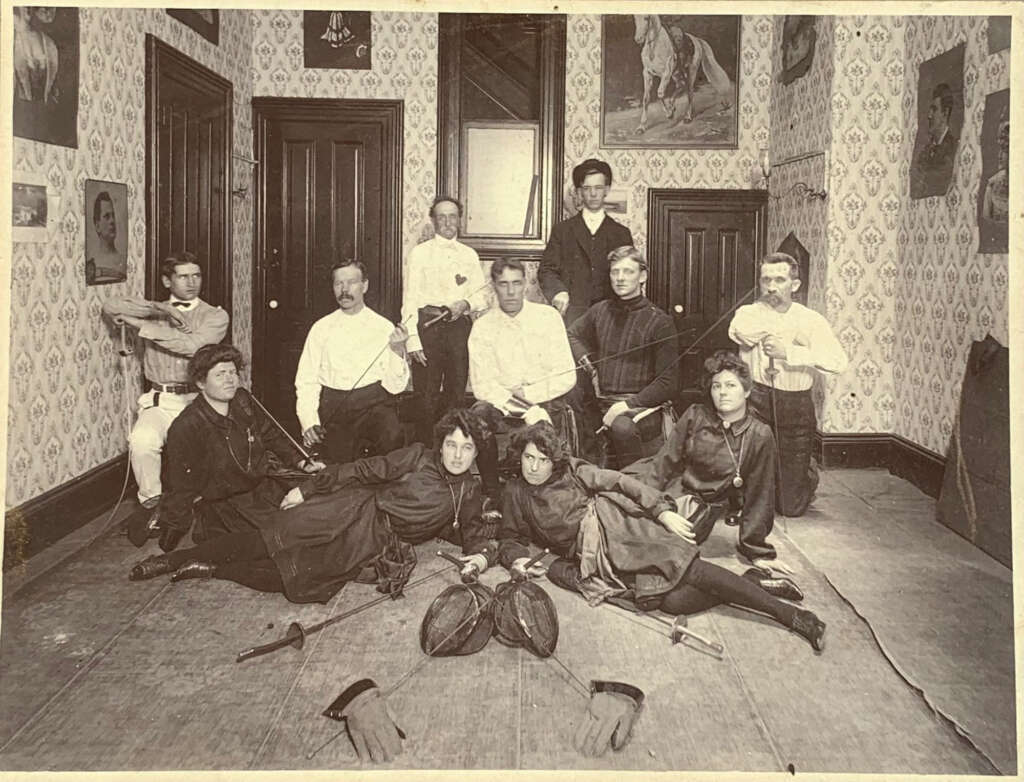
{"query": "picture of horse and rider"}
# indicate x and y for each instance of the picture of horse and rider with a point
(669, 80)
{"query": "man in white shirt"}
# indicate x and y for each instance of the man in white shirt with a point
(443, 275)
(352, 366)
(520, 364)
(785, 343)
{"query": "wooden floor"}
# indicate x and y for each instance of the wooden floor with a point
(98, 673)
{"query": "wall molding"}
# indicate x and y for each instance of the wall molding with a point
(32, 526)
(901, 457)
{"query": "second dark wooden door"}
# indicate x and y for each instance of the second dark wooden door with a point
(704, 249)
(330, 179)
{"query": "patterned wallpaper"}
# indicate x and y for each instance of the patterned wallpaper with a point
(404, 68)
(640, 169)
(67, 392)
(947, 295)
(863, 209)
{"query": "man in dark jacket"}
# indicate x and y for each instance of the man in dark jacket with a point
(573, 273)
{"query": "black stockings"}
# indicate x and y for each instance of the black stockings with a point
(239, 556)
(705, 585)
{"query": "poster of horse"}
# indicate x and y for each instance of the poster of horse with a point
(669, 81)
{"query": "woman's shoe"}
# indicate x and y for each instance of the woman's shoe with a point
(566, 574)
(808, 625)
(776, 586)
(194, 569)
(151, 567)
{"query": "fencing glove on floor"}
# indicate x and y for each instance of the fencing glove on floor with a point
(611, 712)
(373, 733)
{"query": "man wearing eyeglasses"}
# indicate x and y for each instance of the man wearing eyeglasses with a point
(573, 273)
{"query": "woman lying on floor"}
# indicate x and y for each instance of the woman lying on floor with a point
(333, 525)
(618, 538)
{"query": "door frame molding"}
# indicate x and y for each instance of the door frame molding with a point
(663, 203)
(388, 114)
(163, 60)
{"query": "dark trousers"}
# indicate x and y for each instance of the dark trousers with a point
(361, 422)
(794, 432)
(441, 384)
(625, 436)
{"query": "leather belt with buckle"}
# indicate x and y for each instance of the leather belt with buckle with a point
(172, 388)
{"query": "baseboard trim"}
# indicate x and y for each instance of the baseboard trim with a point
(32, 526)
(920, 466)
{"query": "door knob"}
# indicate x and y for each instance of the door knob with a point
(678, 309)
(272, 304)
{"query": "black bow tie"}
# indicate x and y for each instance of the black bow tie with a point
(179, 303)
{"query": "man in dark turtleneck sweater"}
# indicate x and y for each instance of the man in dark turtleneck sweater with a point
(631, 381)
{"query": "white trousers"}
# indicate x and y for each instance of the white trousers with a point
(146, 441)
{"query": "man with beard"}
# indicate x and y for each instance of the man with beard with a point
(352, 366)
(443, 274)
(104, 263)
(785, 343)
(573, 273)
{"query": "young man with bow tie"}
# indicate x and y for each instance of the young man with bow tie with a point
(171, 332)
(444, 280)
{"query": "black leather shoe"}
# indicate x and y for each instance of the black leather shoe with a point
(566, 574)
(776, 586)
(808, 625)
(194, 570)
(170, 538)
(150, 567)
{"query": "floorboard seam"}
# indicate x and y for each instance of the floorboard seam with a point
(272, 729)
(957, 728)
(91, 663)
(762, 725)
(519, 712)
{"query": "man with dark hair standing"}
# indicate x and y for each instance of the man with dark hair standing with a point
(352, 366)
(520, 363)
(443, 274)
(172, 331)
(573, 273)
(785, 343)
(628, 344)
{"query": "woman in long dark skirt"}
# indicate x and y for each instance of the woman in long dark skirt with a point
(330, 527)
(618, 539)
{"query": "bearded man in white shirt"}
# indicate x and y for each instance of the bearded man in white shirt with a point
(444, 280)
(352, 366)
(785, 344)
(520, 365)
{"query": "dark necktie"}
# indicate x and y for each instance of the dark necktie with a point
(179, 303)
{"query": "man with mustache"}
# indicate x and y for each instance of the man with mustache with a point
(352, 366)
(785, 344)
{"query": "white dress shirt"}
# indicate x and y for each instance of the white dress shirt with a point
(530, 349)
(440, 271)
(339, 349)
(810, 344)
(592, 220)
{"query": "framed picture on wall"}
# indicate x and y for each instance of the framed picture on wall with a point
(45, 57)
(940, 118)
(669, 81)
(998, 33)
(31, 207)
(205, 21)
(994, 187)
(337, 39)
(106, 236)
(799, 35)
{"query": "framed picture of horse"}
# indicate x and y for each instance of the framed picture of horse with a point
(669, 81)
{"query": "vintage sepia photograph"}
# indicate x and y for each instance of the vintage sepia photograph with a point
(553, 394)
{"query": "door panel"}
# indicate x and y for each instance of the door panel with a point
(330, 184)
(188, 169)
(704, 248)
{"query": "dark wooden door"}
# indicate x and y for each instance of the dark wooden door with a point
(330, 185)
(188, 172)
(704, 247)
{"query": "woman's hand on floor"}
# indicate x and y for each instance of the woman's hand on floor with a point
(292, 498)
(677, 524)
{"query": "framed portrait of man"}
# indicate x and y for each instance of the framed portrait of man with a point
(799, 35)
(106, 234)
(45, 58)
(940, 118)
(669, 81)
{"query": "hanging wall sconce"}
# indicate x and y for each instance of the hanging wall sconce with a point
(801, 188)
(243, 190)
